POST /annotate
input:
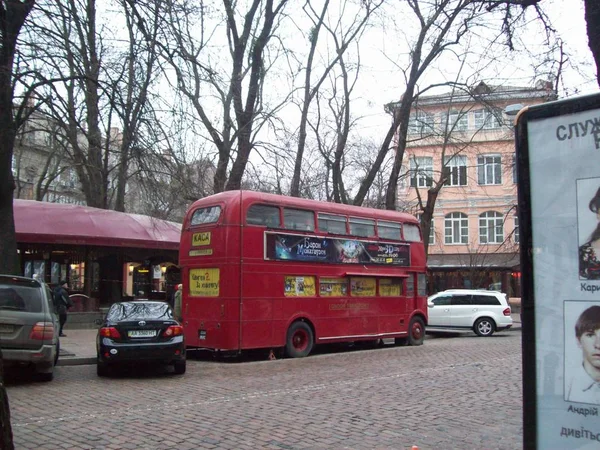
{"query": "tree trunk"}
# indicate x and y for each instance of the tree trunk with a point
(592, 19)
(383, 150)
(308, 96)
(427, 215)
(98, 176)
(403, 114)
(239, 165)
(6, 437)
(122, 170)
(12, 17)
(8, 241)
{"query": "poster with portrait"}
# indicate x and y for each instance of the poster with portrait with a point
(588, 227)
(558, 154)
(582, 352)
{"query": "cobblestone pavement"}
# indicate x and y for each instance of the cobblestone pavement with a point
(451, 393)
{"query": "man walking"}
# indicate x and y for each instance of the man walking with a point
(62, 302)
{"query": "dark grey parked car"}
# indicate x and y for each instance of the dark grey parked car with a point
(28, 325)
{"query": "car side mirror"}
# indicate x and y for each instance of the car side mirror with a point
(430, 305)
(98, 322)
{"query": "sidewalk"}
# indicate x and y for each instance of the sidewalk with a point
(79, 347)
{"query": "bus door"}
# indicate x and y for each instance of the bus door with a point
(332, 315)
(363, 308)
(393, 304)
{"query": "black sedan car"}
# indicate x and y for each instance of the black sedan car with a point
(140, 331)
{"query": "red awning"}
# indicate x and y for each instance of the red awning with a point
(58, 223)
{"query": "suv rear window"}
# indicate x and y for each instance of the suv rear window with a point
(20, 298)
(488, 300)
(138, 310)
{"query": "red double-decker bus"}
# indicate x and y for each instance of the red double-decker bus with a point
(270, 271)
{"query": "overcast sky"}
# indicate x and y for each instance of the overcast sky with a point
(384, 48)
(383, 83)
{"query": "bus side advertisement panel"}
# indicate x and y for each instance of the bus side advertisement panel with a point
(292, 247)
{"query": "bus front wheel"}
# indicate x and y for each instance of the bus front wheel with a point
(416, 331)
(300, 340)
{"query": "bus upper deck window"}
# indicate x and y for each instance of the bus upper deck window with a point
(362, 227)
(412, 232)
(296, 219)
(332, 223)
(263, 215)
(389, 230)
(205, 215)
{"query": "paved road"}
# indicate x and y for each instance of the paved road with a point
(451, 393)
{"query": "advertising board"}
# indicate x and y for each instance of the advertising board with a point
(558, 154)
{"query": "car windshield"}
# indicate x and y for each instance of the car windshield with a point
(20, 298)
(139, 310)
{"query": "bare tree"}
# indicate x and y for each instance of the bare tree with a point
(187, 31)
(441, 26)
(97, 95)
(343, 37)
(513, 10)
(129, 93)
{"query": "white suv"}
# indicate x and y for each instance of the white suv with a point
(465, 309)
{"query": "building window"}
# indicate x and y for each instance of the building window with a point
(455, 170)
(489, 169)
(491, 228)
(68, 178)
(431, 238)
(73, 178)
(516, 231)
(487, 120)
(403, 179)
(421, 171)
(458, 121)
(421, 123)
(456, 226)
(514, 169)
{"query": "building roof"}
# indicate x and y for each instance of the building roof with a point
(484, 92)
(59, 223)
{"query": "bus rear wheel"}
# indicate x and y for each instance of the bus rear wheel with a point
(299, 341)
(416, 331)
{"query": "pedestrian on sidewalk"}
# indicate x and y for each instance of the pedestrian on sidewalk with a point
(62, 303)
(177, 303)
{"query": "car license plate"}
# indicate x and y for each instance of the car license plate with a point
(141, 333)
(6, 328)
